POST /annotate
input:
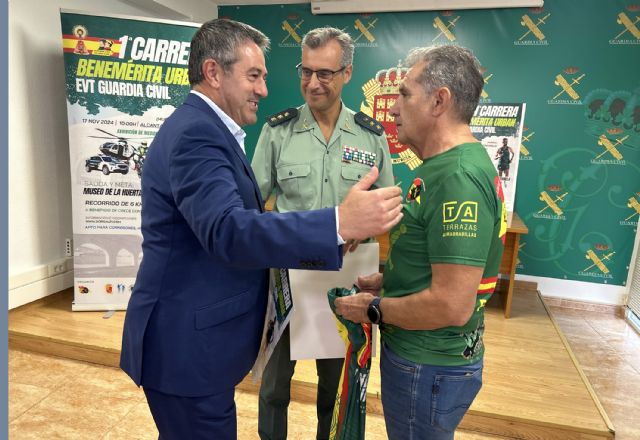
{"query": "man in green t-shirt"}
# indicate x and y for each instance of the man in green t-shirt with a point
(445, 253)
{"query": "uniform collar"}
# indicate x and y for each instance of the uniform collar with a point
(307, 122)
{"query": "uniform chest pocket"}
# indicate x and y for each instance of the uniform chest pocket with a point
(350, 174)
(297, 190)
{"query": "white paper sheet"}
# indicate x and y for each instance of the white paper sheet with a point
(314, 334)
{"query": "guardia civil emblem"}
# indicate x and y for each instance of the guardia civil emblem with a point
(380, 94)
(292, 32)
(533, 23)
(599, 257)
(525, 154)
(446, 29)
(485, 77)
(365, 25)
(553, 198)
(568, 93)
(628, 21)
(634, 205)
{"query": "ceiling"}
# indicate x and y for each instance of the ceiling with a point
(201, 10)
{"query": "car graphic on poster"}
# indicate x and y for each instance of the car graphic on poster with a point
(106, 164)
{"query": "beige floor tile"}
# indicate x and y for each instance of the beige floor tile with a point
(302, 420)
(22, 397)
(624, 415)
(66, 415)
(632, 358)
(303, 423)
(41, 370)
(247, 413)
(609, 354)
(104, 381)
(136, 425)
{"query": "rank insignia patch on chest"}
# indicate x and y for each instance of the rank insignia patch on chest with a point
(352, 154)
(415, 190)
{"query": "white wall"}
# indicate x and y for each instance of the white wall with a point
(39, 176)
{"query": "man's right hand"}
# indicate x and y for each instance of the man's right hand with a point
(370, 283)
(364, 213)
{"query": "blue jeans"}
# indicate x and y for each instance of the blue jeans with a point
(425, 402)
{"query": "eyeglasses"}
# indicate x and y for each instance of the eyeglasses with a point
(323, 75)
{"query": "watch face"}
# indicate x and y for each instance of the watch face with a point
(373, 314)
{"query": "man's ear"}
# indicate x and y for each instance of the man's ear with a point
(348, 71)
(212, 72)
(443, 101)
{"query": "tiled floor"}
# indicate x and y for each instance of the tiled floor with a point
(54, 398)
(608, 350)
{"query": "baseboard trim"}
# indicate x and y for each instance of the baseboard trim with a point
(25, 294)
(582, 291)
(609, 309)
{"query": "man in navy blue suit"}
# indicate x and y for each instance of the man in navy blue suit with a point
(195, 318)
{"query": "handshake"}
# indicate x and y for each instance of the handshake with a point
(363, 213)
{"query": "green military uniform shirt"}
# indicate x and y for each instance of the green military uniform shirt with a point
(307, 172)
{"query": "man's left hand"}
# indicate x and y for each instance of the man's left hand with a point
(354, 307)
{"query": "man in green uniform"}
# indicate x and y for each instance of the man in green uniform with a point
(445, 253)
(311, 156)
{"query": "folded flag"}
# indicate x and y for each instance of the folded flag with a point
(350, 409)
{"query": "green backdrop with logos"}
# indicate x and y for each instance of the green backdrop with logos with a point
(575, 63)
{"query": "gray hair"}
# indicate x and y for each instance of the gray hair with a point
(318, 37)
(219, 39)
(453, 67)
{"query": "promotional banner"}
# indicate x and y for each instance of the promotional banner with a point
(499, 128)
(578, 164)
(277, 317)
(124, 76)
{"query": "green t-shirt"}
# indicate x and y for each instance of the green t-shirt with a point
(454, 213)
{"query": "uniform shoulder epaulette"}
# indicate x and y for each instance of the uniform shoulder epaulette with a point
(369, 123)
(283, 116)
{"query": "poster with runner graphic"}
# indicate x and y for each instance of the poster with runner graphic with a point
(124, 76)
(499, 128)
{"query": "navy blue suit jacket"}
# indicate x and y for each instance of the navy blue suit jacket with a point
(195, 318)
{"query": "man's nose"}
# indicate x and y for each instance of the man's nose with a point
(261, 89)
(314, 81)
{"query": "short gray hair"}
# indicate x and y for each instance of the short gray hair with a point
(318, 37)
(219, 39)
(453, 67)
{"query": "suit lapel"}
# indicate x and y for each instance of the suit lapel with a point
(195, 101)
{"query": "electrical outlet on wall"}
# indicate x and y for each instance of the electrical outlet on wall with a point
(68, 247)
(57, 267)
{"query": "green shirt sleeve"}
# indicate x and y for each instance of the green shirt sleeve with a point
(460, 224)
(262, 163)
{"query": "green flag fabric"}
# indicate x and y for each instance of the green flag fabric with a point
(350, 409)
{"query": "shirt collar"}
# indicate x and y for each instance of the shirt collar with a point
(306, 121)
(233, 127)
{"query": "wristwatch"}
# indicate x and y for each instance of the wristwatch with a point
(373, 311)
